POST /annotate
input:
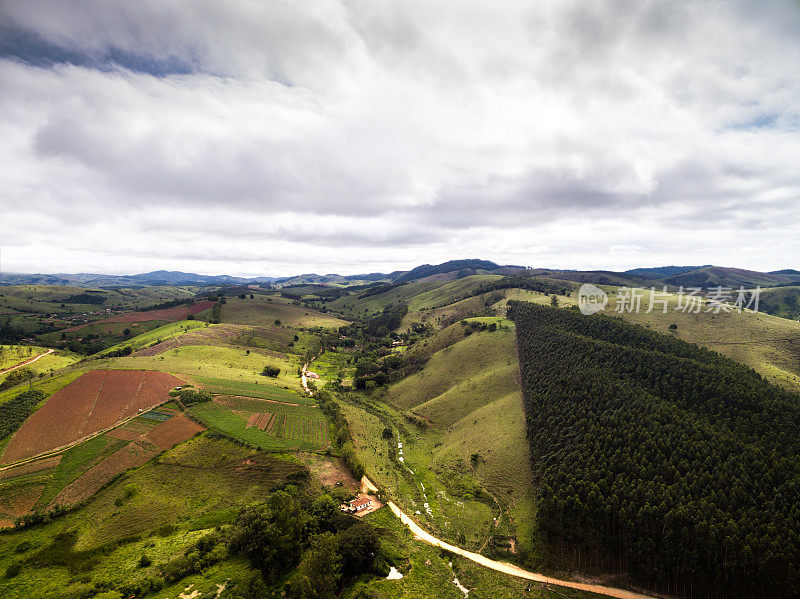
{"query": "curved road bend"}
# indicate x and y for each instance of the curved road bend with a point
(27, 362)
(511, 569)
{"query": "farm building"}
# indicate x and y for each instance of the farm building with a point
(312, 375)
(358, 504)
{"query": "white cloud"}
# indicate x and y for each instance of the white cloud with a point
(342, 134)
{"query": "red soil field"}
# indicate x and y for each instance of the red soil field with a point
(20, 501)
(31, 467)
(168, 315)
(173, 431)
(88, 483)
(94, 401)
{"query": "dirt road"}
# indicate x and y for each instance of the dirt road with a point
(422, 535)
(27, 362)
(304, 379)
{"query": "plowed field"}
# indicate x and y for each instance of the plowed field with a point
(168, 315)
(87, 484)
(173, 431)
(91, 403)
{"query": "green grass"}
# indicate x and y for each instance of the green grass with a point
(47, 385)
(781, 301)
(264, 310)
(47, 299)
(74, 462)
(199, 482)
(47, 364)
(294, 429)
(459, 378)
(234, 364)
(279, 338)
(354, 306)
(427, 572)
(11, 355)
(261, 390)
(768, 344)
(156, 335)
(450, 292)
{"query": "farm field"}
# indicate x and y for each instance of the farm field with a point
(78, 473)
(164, 332)
(265, 424)
(149, 318)
(278, 338)
(258, 390)
(214, 361)
(159, 510)
(198, 334)
(47, 299)
(92, 402)
(265, 310)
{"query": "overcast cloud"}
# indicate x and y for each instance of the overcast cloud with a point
(271, 138)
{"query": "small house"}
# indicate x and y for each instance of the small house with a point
(361, 503)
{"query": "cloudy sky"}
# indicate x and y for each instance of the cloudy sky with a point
(276, 137)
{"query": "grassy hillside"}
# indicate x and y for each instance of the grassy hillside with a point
(265, 310)
(46, 299)
(236, 364)
(768, 344)
(159, 511)
(459, 378)
(713, 276)
(781, 301)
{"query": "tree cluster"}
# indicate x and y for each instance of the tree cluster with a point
(14, 412)
(312, 540)
(659, 458)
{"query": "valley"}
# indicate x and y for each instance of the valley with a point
(239, 393)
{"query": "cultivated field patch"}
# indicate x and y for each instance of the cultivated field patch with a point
(172, 431)
(222, 334)
(247, 389)
(267, 424)
(87, 484)
(93, 402)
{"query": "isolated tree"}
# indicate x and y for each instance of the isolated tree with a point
(554, 301)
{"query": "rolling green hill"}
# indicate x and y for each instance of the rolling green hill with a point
(781, 301)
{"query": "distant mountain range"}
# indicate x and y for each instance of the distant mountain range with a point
(674, 276)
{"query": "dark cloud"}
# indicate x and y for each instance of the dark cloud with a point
(360, 130)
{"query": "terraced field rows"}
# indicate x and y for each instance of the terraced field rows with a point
(298, 427)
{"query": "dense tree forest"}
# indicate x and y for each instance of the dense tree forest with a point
(659, 458)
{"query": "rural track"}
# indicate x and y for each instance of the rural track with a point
(424, 536)
(27, 362)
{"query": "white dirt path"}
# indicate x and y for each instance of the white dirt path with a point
(27, 362)
(423, 535)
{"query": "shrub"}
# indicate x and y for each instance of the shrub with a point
(271, 371)
(13, 569)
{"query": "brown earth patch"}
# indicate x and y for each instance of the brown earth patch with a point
(91, 403)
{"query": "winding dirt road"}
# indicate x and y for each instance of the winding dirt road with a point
(27, 362)
(422, 535)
